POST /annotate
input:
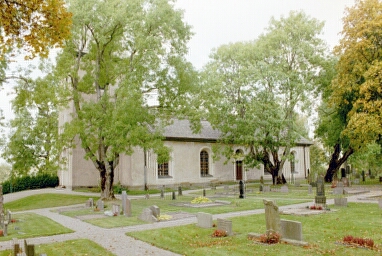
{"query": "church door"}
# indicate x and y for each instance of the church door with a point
(239, 170)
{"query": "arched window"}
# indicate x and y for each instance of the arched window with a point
(292, 162)
(204, 163)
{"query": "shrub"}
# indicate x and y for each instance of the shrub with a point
(30, 182)
(200, 200)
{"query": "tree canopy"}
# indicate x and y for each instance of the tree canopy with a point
(33, 25)
(111, 65)
(351, 118)
(260, 86)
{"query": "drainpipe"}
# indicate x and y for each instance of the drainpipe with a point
(304, 162)
(145, 170)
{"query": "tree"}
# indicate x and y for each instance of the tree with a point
(33, 25)
(33, 142)
(259, 86)
(352, 113)
(113, 61)
(5, 171)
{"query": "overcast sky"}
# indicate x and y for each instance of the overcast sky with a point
(218, 22)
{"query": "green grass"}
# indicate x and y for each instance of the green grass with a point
(320, 231)
(33, 225)
(80, 247)
(45, 201)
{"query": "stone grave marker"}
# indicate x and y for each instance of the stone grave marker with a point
(123, 199)
(346, 182)
(155, 210)
(291, 230)
(127, 212)
(284, 189)
(204, 220)
(147, 215)
(380, 203)
(9, 216)
(89, 203)
(339, 201)
(116, 209)
(5, 228)
(100, 205)
(320, 198)
(310, 190)
(272, 216)
(180, 193)
(225, 225)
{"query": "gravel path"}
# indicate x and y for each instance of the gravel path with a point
(115, 239)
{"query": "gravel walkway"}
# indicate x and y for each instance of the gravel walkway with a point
(115, 239)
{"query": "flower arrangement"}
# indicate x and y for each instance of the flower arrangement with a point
(219, 233)
(270, 238)
(164, 217)
(315, 207)
(200, 200)
(365, 242)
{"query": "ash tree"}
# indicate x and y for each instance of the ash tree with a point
(351, 117)
(258, 88)
(33, 143)
(120, 53)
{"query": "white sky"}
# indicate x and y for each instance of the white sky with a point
(218, 22)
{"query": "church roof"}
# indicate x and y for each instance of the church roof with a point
(180, 130)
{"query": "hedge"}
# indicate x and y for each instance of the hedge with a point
(30, 182)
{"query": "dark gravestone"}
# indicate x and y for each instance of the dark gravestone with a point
(363, 176)
(241, 188)
(162, 193)
(180, 191)
(320, 198)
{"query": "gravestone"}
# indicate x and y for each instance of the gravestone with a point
(147, 216)
(267, 188)
(9, 216)
(5, 228)
(156, 211)
(241, 189)
(100, 205)
(1, 198)
(345, 181)
(162, 193)
(272, 216)
(310, 190)
(341, 201)
(180, 191)
(89, 203)
(380, 203)
(204, 220)
(225, 225)
(284, 189)
(291, 229)
(127, 212)
(123, 199)
(320, 198)
(116, 209)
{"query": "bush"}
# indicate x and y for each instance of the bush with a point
(30, 182)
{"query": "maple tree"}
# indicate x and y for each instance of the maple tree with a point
(33, 26)
(355, 99)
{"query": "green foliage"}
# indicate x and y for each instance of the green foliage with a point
(43, 180)
(5, 171)
(260, 86)
(33, 141)
(128, 51)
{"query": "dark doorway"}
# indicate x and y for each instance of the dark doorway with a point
(239, 170)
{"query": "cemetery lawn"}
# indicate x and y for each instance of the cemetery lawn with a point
(29, 225)
(45, 201)
(322, 232)
(172, 206)
(80, 247)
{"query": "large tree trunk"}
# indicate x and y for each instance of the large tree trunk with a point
(107, 179)
(273, 169)
(336, 161)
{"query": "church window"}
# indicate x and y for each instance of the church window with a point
(204, 163)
